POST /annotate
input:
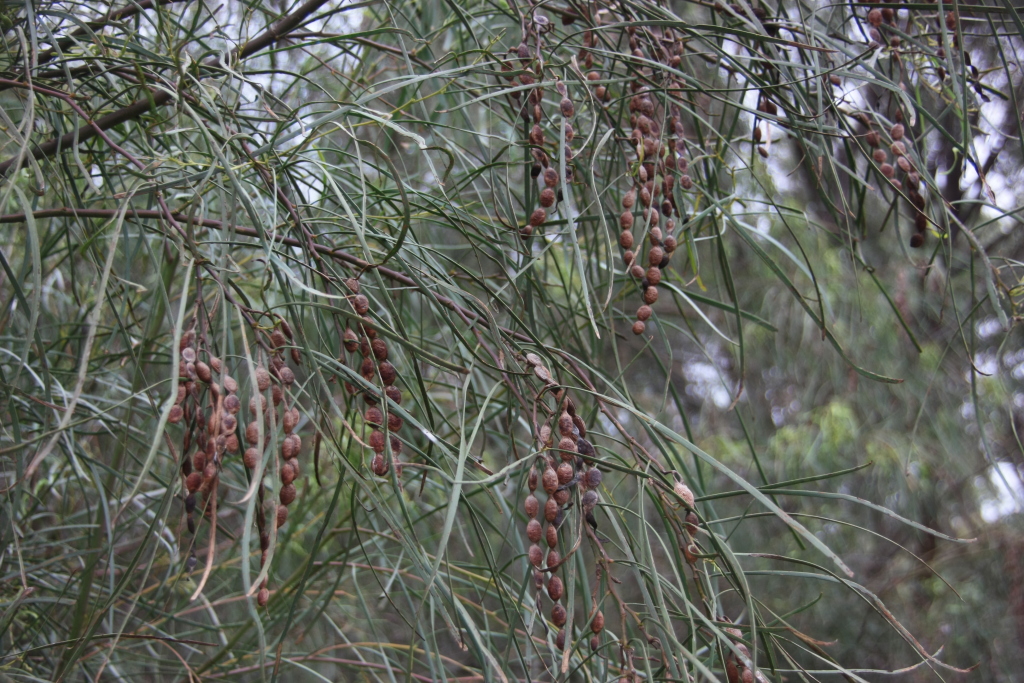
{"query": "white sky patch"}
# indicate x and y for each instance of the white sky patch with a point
(1000, 492)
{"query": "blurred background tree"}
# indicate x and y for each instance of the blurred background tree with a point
(772, 433)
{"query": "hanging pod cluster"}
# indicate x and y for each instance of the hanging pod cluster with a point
(376, 369)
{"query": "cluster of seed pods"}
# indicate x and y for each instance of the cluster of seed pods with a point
(377, 370)
(209, 418)
(879, 20)
(565, 465)
(903, 176)
(737, 669)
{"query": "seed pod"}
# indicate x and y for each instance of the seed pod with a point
(555, 588)
(231, 443)
(251, 458)
(601, 92)
(560, 639)
(629, 199)
(533, 531)
(898, 148)
(350, 340)
(685, 182)
(692, 521)
(193, 482)
(879, 156)
(199, 462)
(379, 465)
(360, 304)
(289, 473)
(638, 327)
(558, 615)
(904, 164)
(263, 597)
(188, 354)
(581, 427)
(394, 394)
(875, 17)
(550, 177)
(887, 170)
(202, 371)
(567, 444)
(536, 555)
(896, 131)
(684, 492)
(551, 509)
(562, 496)
(282, 515)
(595, 642)
(888, 15)
(654, 275)
(550, 480)
(262, 378)
(537, 136)
(388, 374)
(376, 441)
(553, 559)
(873, 138)
(921, 222)
(592, 478)
(278, 338)
(637, 271)
(645, 195)
(232, 404)
(650, 295)
(538, 217)
(565, 473)
(917, 240)
(175, 415)
(566, 107)
(644, 312)
(228, 423)
(551, 535)
(288, 494)
(626, 223)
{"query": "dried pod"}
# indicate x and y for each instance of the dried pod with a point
(193, 482)
(898, 148)
(531, 505)
(376, 441)
(394, 422)
(592, 478)
(360, 304)
(551, 535)
(565, 425)
(547, 197)
(565, 472)
(638, 327)
(263, 597)
(533, 531)
(917, 240)
(887, 170)
(251, 458)
(394, 394)
(686, 182)
(278, 338)
(388, 374)
(551, 509)
(538, 217)
(289, 473)
(231, 443)
(654, 275)
(199, 461)
(282, 515)
(595, 642)
(549, 480)
(567, 444)
(560, 639)
(379, 464)
(232, 404)
(286, 375)
(558, 614)
(879, 156)
(921, 222)
(684, 492)
(692, 521)
(650, 295)
(875, 17)
(629, 199)
(287, 495)
(531, 479)
(209, 472)
(555, 588)
(174, 417)
(536, 555)
(566, 107)
(202, 371)
(350, 340)
(873, 138)
(896, 132)
(637, 271)
(644, 312)
(550, 177)
(188, 354)
(626, 223)
(581, 427)
(553, 559)
(904, 164)
(561, 496)
(262, 378)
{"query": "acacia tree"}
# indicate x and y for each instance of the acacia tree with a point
(500, 340)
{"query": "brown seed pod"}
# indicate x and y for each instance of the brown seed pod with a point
(650, 295)
(551, 509)
(251, 458)
(262, 378)
(282, 515)
(873, 138)
(592, 478)
(531, 479)
(287, 495)
(278, 338)
(257, 403)
(896, 131)
(555, 588)
(263, 597)
(188, 354)
(562, 496)
(533, 531)
(644, 312)
(921, 222)
(394, 422)
(547, 197)
(917, 240)
(560, 639)
(376, 441)
(879, 156)
(538, 217)
(654, 235)
(361, 304)
(597, 623)
(692, 521)
(628, 257)
(531, 505)
(637, 271)
(550, 177)
(193, 482)
(551, 536)
(629, 199)
(231, 443)
(202, 371)
(684, 492)
(626, 223)
(655, 255)
(394, 394)
(567, 444)
(175, 415)
(565, 472)
(388, 374)
(290, 420)
(566, 107)
(350, 340)
(537, 136)
(379, 465)
(199, 461)
(553, 558)
(638, 327)
(558, 614)
(368, 369)
(580, 425)
(287, 376)
(289, 473)
(209, 472)
(904, 164)
(536, 555)
(670, 243)
(549, 480)
(887, 170)
(654, 275)
(595, 642)
(565, 425)
(232, 404)
(686, 182)
(875, 17)
(898, 148)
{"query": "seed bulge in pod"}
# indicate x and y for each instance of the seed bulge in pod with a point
(296, 444)
(188, 354)
(394, 422)
(361, 304)
(564, 473)
(286, 375)
(655, 255)
(202, 371)
(380, 349)
(367, 369)
(561, 496)
(350, 340)
(654, 275)
(921, 222)
(287, 495)
(585, 448)
(193, 482)
(887, 170)
(581, 427)
(231, 443)
(691, 522)
(174, 417)
(394, 394)
(209, 472)
(377, 441)
(898, 148)
(904, 164)
(628, 257)
(595, 642)
(560, 639)
(396, 446)
(547, 197)
(567, 445)
(251, 458)
(538, 217)
(290, 420)
(555, 588)
(566, 107)
(550, 177)
(553, 559)
(190, 503)
(388, 374)
(637, 271)
(374, 416)
(551, 509)
(232, 404)
(550, 480)
(230, 385)
(558, 614)
(592, 478)
(597, 623)
(645, 194)
(626, 223)
(565, 424)
(278, 338)
(650, 295)
(262, 378)
(917, 240)
(257, 403)
(289, 472)
(263, 597)
(536, 136)
(379, 464)
(199, 461)
(551, 535)
(228, 423)
(282, 515)
(670, 244)
(536, 555)
(533, 531)
(531, 480)
(684, 492)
